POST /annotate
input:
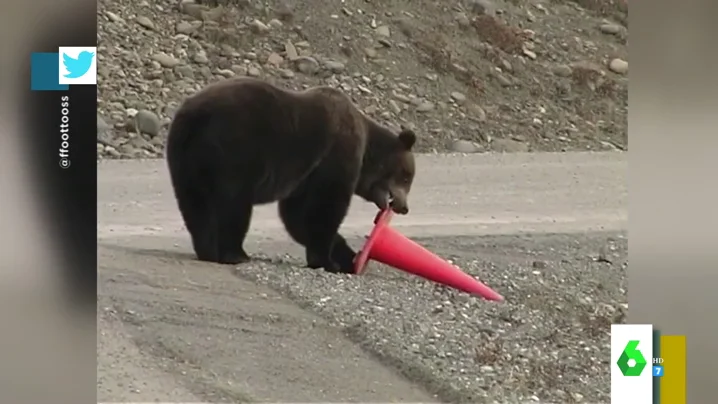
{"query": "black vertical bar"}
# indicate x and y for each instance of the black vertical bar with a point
(67, 194)
(656, 354)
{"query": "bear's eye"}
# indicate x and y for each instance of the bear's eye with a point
(406, 177)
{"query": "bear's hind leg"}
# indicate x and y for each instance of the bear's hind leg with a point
(203, 232)
(234, 214)
(200, 222)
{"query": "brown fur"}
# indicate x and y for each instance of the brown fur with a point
(244, 142)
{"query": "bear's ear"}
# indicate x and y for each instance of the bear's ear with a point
(407, 137)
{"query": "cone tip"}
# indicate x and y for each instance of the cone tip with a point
(492, 296)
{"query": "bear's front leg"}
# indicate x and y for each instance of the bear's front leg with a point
(341, 254)
(319, 253)
(314, 261)
(324, 212)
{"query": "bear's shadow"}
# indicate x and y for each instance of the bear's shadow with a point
(188, 259)
(183, 257)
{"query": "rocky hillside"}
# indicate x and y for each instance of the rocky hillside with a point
(469, 76)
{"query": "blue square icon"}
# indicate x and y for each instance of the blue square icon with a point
(44, 71)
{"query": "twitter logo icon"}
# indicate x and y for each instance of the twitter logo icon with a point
(78, 65)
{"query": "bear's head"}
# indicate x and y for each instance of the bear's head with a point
(388, 171)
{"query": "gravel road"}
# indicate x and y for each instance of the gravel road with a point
(545, 230)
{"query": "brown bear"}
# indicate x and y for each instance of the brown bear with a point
(244, 142)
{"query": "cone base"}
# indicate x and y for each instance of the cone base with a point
(381, 221)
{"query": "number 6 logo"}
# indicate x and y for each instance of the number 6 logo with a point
(631, 362)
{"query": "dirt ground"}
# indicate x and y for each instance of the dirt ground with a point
(550, 343)
(470, 76)
(215, 335)
(545, 230)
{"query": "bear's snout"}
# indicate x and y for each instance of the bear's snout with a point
(400, 208)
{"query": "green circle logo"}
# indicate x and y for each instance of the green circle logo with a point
(631, 362)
